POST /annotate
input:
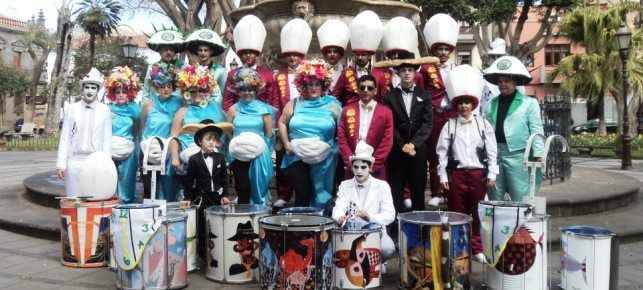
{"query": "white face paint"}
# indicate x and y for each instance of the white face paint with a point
(361, 170)
(89, 92)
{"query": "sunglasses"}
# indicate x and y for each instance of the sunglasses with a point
(366, 88)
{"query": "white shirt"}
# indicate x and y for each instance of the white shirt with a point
(361, 71)
(336, 72)
(209, 162)
(466, 140)
(365, 117)
(86, 145)
(294, 93)
(407, 97)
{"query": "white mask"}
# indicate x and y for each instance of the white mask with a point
(361, 169)
(89, 92)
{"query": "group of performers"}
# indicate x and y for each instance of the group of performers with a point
(383, 128)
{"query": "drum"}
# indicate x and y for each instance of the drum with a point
(435, 250)
(357, 256)
(586, 258)
(232, 246)
(515, 245)
(302, 210)
(163, 262)
(191, 211)
(300, 246)
(84, 232)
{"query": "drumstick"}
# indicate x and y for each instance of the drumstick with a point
(349, 218)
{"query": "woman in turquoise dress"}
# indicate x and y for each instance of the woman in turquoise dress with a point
(122, 85)
(307, 129)
(253, 130)
(156, 120)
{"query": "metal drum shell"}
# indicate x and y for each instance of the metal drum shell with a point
(343, 240)
(591, 246)
(191, 211)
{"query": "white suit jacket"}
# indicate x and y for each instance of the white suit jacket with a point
(101, 132)
(378, 204)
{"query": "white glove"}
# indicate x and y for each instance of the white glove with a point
(247, 146)
(121, 148)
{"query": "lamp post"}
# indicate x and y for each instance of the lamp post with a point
(70, 81)
(129, 50)
(234, 64)
(623, 38)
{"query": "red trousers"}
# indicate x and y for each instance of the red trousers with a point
(466, 189)
(439, 119)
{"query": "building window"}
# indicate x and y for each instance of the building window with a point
(17, 59)
(529, 60)
(555, 52)
(464, 57)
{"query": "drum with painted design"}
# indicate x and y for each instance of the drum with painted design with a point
(587, 258)
(357, 257)
(302, 210)
(85, 232)
(232, 245)
(435, 250)
(296, 252)
(191, 211)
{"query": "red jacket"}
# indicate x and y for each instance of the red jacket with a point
(281, 91)
(230, 97)
(345, 89)
(379, 136)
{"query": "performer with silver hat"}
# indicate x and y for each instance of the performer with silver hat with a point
(168, 43)
(87, 128)
(515, 117)
(205, 44)
(333, 37)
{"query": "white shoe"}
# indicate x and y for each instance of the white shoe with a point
(436, 201)
(408, 204)
(279, 203)
(479, 257)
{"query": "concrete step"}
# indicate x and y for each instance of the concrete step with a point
(19, 215)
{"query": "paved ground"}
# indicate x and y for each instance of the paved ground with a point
(29, 263)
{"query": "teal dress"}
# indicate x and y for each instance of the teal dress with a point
(159, 123)
(249, 118)
(195, 114)
(123, 119)
(315, 118)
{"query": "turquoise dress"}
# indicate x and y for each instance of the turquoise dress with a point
(123, 118)
(314, 118)
(249, 118)
(159, 123)
(195, 114)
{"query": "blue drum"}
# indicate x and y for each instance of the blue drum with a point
(302, 210)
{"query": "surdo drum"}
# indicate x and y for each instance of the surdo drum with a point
(357, 256)
(191, 211)
(302, 210)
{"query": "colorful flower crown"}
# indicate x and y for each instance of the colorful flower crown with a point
(194, 78)
(123, 77)
(162, 74)
(248, 78)
(314, 69)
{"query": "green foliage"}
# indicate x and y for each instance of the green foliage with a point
(34, 144)
(98, 17)
(109, 54)
(13, 82)
(604, 145)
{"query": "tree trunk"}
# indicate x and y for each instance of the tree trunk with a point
(92, 48)
(38, 67)
(602, 129)
(58, 79)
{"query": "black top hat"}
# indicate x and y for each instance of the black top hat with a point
(244, 231)
(210, 128)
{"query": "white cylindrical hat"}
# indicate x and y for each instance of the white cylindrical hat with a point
(441, 29)
(333, 33)
(366, 32)
(472, 88)
(295, 37)
(508, 66)
(400, 34)
(249, 34)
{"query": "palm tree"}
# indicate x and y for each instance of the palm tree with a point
(98, 18)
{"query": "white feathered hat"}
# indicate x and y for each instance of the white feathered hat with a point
(249, 34)
(498, 47)
(366, 32)
(508, 66)
(333, 33)
(363, 151)
(441, 29)
(98, 176)
(472, 88)
(400, 35)
(93, 77)
(295, 37)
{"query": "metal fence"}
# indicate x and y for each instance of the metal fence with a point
(32, 141)
(557, 119)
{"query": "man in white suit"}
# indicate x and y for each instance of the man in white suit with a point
(87, 128)
(365, 197)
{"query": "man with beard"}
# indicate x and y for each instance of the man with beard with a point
(295, 41)
(249, 36)
(87, 128)
(167, 43)
(205, 44)
(333, 37)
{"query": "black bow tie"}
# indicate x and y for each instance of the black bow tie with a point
(407, 91)
(360, 186)
(206, 155)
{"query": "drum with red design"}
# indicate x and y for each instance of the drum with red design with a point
(357, 256)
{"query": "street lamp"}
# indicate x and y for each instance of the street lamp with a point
(129, 50)
(70, 81)
(623, 38)
(234, 64)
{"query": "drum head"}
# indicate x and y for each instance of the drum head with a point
(238, 209)
(136, 206)
(177, 205)
(587, 231)
(434, 217)
(296, 221)
(174, 216)
(360, 227)
(302, 210)
(500, 203)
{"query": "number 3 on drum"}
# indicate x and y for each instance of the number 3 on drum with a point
(145, 228)
(505, 230)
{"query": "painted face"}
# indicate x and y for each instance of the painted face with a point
(407, 76)
(314, 89)
(167, 54)
(442, 52)
(294, 60)
(204, 53)
(362, 58)
(367, 91)
(121, 96)
(165, 91)
(247, 94)
(333, 55)
(249, 57)
(200, 95)
(506, 85)
(465, 107)
(209, 141)
(361, 170)
(89, 92)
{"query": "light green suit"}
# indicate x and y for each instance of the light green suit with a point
(220, 75)
(523, 119)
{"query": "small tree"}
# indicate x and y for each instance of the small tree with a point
(98, 18)
(13, 83)
(39, 42)
(108, 55)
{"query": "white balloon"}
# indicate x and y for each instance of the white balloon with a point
(98, 177)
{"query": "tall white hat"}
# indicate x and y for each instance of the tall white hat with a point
(93, 77)
(472, 88)
(366, 32)
(295, 37)
(333, 33)
(363, 151)
(508, 66)
(498, 47)
(400, 34)
(441, 29)
(249, 34)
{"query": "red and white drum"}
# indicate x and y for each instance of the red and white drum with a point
(84, 232)
(191, 211)
(357, 256)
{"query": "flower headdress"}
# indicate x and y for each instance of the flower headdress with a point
(162, 74)
(248, 78)
(314, 69)
(194, 78)
(124, 77)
